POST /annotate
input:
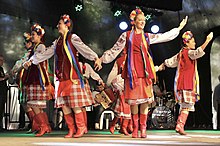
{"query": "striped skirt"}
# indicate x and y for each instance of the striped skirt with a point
(121, 108)
(35, 95)
(71, 94)
(186, 99)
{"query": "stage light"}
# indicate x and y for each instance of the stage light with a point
(78, 5)
(118, 13)
(155, 28)
(148, 17)
(123, 25)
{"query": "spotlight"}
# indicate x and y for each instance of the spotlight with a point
(123, 25)
(155, 28)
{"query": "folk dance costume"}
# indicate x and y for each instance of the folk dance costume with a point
(138, 72)
(35, 85)
(18, 69)
(121, 109)
(186, 86)
(71, 89)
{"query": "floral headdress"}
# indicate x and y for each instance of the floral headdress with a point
(187, 36)
(27, 37)
(66, 19)
(134, 13)
(38, 29)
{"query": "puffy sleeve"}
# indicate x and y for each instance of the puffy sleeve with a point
(109, 55)
(43, 53)
(195, 54)
(112, 74)
(83, 49)
(19, 63)
(93, 74)
(164, 37)
(172, 62)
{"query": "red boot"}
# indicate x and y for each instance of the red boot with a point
(80, 124)
(34, 125)
(181, 122)
(135, 125)
(85, 119)
(130, 126)
(47, 122)
(112, 127)
(124, 126)
(44, 128)
(143, 125)
(71, 125)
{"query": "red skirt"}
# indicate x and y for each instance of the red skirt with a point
(35, 92)
(141, 93)
(121, 108)
(71, 94)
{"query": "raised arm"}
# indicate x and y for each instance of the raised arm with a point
(199, 52)
(169, 35)
(109, 55)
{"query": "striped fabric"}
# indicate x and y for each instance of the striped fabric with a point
(122, 109)
(186, 100)
(73, 95)
(35, 92)
(186, 96)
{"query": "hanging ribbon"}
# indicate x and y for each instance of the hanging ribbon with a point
(131, 70)
(21, 86)
(146, 42)
(196, 86)
(41, 77)
(72, 60)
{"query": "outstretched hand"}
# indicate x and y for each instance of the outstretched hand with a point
(183, 23)
(98, 64)
(209, 37)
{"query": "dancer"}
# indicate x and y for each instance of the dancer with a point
(71, 90)
(16, 70)
(35, 83)
(121, 109)
(88, 72)
(186, 85)
(138, 73)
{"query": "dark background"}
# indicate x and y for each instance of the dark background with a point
(98, 28)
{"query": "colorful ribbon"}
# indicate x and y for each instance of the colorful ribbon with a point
(72, 60)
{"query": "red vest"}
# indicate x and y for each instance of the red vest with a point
(120, 64)
(138, 59)
(31, 76)
(63, 65)
(186, 71)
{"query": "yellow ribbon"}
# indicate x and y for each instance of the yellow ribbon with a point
(150, 58)
(68, 55)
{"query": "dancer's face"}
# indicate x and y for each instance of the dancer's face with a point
(62, 28)
(191, 43)
(35, 37)
(139, 21)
